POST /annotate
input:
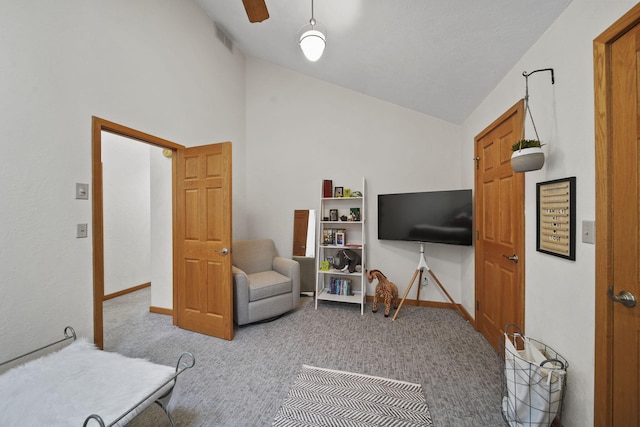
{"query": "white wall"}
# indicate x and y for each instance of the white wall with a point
(161, 230)
(560, 307)
(301, 130)
(153, 65)
(126, 208)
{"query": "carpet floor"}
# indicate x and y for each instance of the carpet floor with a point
(244, 382)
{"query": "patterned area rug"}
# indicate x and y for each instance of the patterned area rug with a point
(323, 397)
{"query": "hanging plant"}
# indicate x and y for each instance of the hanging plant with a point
(527, 154)
(526, 143)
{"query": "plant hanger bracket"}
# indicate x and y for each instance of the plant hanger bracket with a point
(527, 109)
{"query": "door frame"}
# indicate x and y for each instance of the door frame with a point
(98, 126)
(603, 370)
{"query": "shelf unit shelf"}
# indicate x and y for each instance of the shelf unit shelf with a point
(354, 240)
(325, 295)
(339, 272)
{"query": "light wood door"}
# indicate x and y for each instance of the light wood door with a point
(624, 220)
(617, 122)
(203, 258)
(499, 220)
(300, 228)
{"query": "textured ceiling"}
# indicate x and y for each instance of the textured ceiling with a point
(438, 57)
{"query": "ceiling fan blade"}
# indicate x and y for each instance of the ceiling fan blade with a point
(256, 10)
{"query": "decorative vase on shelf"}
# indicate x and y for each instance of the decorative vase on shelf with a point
(527, 155)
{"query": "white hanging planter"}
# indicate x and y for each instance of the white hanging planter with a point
(527, 154)
(527, 159)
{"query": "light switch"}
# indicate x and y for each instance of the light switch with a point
(82, 191)
(589, 232)
(82, 231)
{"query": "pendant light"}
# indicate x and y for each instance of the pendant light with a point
(312, 39)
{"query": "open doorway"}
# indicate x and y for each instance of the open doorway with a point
(137, 214)
(103, 133)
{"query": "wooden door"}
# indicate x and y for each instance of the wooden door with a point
(617, 382)
(499, 220)
(300, 227)
(204, 292)
(624, 210)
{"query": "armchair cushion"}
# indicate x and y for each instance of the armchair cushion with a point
(267, 284)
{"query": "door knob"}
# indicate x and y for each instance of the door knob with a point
(513, 258)
(222, 251)
(625, 298)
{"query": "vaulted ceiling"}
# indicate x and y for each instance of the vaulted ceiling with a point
(438, 57)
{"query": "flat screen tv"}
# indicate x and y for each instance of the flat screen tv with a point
(433, 216)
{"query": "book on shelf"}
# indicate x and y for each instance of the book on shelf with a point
(327, 188)
(339, 286)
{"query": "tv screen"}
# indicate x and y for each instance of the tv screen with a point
(433, 216)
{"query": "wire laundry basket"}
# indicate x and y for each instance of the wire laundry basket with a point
(534, 381)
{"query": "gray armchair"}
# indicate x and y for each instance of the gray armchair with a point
(264, 284)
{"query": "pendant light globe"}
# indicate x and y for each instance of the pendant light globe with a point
(312, 42)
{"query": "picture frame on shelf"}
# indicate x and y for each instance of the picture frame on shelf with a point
(337, 191)
(346, 192)
(354, 214)
(329, 236)
(339, 239)
(333, 214)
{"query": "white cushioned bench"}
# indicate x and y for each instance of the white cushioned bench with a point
(82, 385)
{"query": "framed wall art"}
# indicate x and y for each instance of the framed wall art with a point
(556, 217)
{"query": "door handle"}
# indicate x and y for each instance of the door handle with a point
(625, 298)
(513, 258)
(222, 251)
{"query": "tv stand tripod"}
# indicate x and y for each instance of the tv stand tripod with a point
(422, 265)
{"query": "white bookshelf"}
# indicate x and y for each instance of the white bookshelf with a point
(347, 287)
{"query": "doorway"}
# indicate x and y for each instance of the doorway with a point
(617, 153)
(202, 212)
(100, 126)
(137, 190)
(137, 201)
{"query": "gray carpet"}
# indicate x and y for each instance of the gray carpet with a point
(243, 382)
